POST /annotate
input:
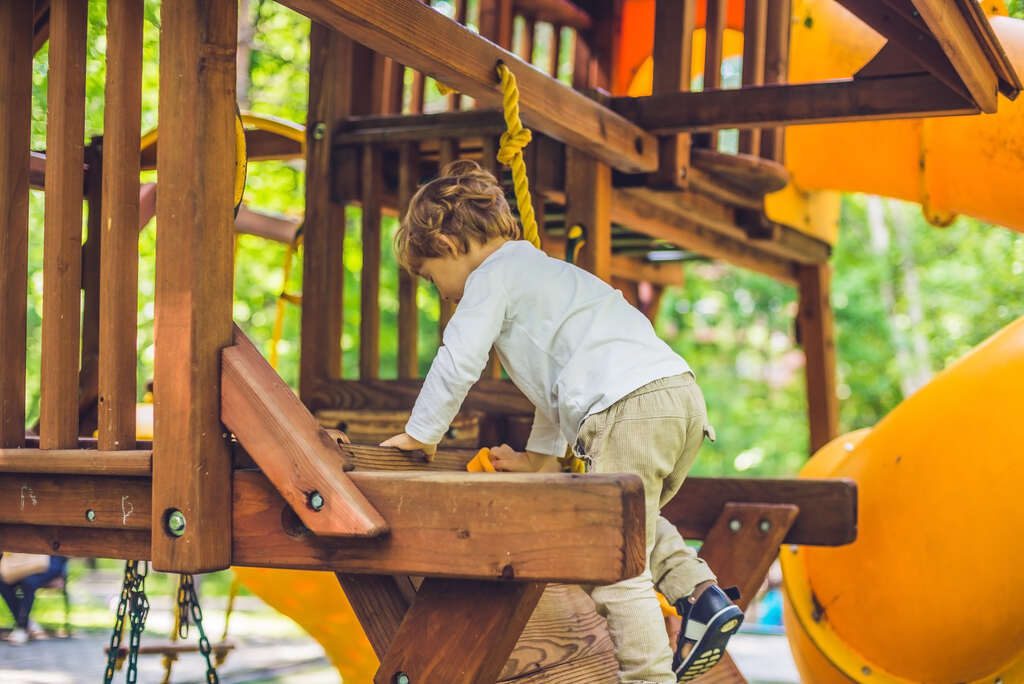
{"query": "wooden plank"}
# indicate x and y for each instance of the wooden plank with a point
(489, 396)
(714, 32)
(496, 20)
(817, 335)
(65, 500)
(594, 668)
(76, 541)
(588, 193)
(408, 311)
(725, 672)
(489, 162)
(62, 239)
(529, 32)
(755, 25)
(338, 71)
(461, 13)
(302, 461)
(563, 631)
(369, 284)
(744, 542)
(380, 602)
(471, 123)
(656, 272)
(776, 69)
(119, 262)
(424, 39)
(191, 459)
(584, 530)
(459, 632)
(673, 50)
(373, 426)
(828, 508)
(134, 463)
(15, 121)
(954, 35)
(915, 95)
(447, 153)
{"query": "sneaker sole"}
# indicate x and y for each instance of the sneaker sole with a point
(707, 652)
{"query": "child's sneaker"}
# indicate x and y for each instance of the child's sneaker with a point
(17, 637)
(708, 625)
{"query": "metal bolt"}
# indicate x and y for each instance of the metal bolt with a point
(402, 678)
(176, 522)
(319, 130)
(316, 501)
(999, 680)
(765, 525)
(865, 670)
(90, 515)
(735, 525)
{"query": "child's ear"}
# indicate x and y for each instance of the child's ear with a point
(450, 246)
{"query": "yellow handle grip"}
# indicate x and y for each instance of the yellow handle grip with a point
(481, 463)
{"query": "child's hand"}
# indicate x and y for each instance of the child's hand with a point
(507, 460)
(407, 442)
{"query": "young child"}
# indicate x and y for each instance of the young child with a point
(599, 378)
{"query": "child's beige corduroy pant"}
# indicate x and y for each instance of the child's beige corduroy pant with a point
(654, 432)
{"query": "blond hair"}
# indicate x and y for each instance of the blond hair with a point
(464, 204)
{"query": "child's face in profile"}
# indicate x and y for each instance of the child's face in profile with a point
(448, 274)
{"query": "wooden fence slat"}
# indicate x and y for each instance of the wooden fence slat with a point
(673, 49)
(88, 374)
(776, 70)
(119, 259)
(714, 33)
(817, 336)
(62, 236)
(588, 191)
(369, 309)
(194, 264)
(447, 153)
(755, 26)
(16, 21)
(408, 312)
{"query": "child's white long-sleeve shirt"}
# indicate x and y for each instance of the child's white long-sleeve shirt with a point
(567, 340)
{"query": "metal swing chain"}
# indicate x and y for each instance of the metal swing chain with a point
(115, 637)
(137, 614)
(188, 588)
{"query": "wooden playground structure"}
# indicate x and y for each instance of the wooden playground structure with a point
(447, 570)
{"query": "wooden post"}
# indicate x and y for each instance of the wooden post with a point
(588, 196)
(776, 70)
(408, 312)
(119, 264)
(755, 19)
(496, 21)
(380, 602)
(196, 165)
(16, 19)
(489, 161)
(459, 632)
(714, 32)
(62, 240)
(369, 316)
(816, 328)
(673, 48)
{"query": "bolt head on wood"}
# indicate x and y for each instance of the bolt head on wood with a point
(316, 501)
(90, 515)
(176, 522)
(765, 525)
(402, 678)
(319, 130)
(735, 525)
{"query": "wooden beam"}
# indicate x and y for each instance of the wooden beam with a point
(388, 129)
(632, 208)
(490, 527)
(62, 240)
(117, 503)
(489, 396)
(408, 311)
(369, 284)
(379, 602)
(424, 39)
(588, 196)
(744, 542)
(191, 459)
(75, 541)
(917, 95)
(119, 258)
(564, 12)
(817, 335)
(15, 122)
(133, 463)
(339, 70)
(459, 632)
(304, 464)
(960, 45)
(673, 49)
(828, 508)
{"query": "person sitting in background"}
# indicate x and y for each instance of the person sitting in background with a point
(21, 593)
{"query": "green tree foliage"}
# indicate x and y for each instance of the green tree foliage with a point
(736, 328)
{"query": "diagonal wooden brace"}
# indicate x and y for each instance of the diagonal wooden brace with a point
(459, 632)
(303, 462)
